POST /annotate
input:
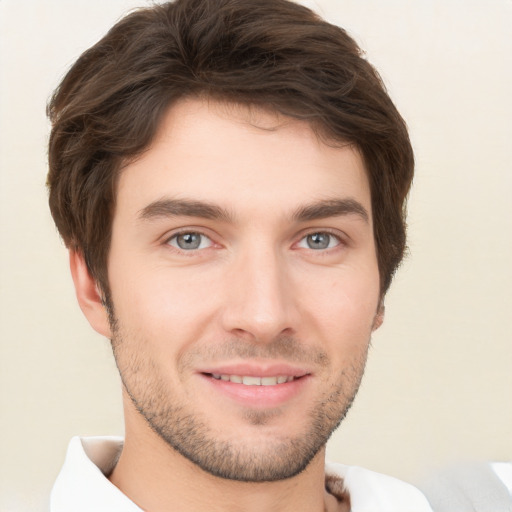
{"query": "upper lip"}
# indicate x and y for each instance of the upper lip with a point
(257, 370)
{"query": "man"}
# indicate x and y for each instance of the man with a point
(230, 178)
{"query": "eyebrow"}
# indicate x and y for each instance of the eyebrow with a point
(323, 209)
(331, 208)
(183, 207)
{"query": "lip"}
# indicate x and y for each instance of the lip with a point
(256, 397)
(258, 370)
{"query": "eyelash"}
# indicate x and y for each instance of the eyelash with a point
(175, 236)
(332, 235)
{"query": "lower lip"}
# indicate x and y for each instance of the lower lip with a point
(258, 396)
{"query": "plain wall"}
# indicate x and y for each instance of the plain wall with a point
(438, 383)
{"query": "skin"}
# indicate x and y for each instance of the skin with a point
(284, 281)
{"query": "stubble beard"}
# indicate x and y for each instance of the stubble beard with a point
(185, 431)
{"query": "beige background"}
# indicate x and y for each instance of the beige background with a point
(439, 380)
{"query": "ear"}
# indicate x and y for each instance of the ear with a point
(379, 316)
(89, 294)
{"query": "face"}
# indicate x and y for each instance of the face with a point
(244, 288)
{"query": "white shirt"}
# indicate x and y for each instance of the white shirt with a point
(504, 472)
(83, 487)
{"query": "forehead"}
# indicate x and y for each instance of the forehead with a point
(241, 156)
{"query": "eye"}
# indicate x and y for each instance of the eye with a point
(319, 241)
(190, 241)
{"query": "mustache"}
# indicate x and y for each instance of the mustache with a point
(285, 348)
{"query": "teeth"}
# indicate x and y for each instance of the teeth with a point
(253, 381)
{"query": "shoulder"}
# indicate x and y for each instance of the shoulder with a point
(476, 486)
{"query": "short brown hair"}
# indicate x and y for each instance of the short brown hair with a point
(271, 53)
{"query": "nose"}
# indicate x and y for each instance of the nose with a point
(259, 302)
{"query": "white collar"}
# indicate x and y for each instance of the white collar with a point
(374, 492)
(82, 485)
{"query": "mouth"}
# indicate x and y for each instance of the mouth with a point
(256, 386)
(251, 380)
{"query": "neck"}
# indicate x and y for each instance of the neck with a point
(157, 478)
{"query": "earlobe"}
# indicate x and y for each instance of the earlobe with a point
(88, 294)
(379, 317)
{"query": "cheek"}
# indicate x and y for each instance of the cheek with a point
(344, 304)
(160, 304)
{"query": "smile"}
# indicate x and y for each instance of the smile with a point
(253, 387)
(254, 381)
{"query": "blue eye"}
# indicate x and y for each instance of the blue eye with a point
(319, 241)
(190, 241)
